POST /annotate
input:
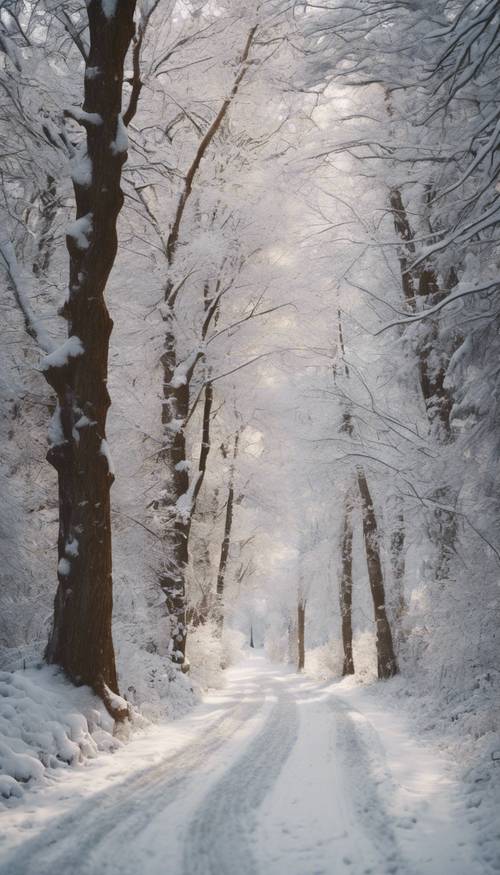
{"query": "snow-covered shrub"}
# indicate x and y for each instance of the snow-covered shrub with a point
(276, 647)
(46, 723)
(150, 681)
(205, 652)
(325, 661)
(233, 644)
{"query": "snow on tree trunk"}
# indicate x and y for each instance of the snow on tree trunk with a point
(346, 587)
(386, 660)
(81, 640)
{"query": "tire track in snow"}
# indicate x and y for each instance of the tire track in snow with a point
(363, 760)
(219, 838)
(117, 815)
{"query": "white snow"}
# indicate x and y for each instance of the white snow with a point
(46, 724)
(81, 168)
(184, 504)
(117, 702)
(109, 7)
(120, 143)
(180, 375)
(80, 230)
(23, 290)
(84, 118)
(70, 349)
(71, 547)
(64, 567)
(275, 774)
(55, 430)
(85, 422)
(105, 451)
(175, 425)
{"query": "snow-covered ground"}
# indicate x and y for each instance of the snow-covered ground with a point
(275, 774)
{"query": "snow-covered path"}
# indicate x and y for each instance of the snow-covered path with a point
(275, 775)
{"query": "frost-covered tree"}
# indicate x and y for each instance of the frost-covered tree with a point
(81, 640)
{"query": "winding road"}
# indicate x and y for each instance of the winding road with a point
(274, 775)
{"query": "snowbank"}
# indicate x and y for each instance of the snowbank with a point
(47, 724)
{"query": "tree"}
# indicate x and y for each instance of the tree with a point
(226, 541)
(301, 631)
(346, 587)
(81, 640)
(386, 660)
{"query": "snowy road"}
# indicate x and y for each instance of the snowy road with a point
(275, 775)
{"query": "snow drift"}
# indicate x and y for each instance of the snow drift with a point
(47, 724)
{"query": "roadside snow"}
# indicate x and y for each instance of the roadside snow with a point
(47, 724)
(276, 774)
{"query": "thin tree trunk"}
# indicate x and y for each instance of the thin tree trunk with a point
(397, 551)
(301, 624)
(293, 642)
(346, 587)
(386, 660)
(173, 584)
(183, 494)
(176, 391)
(46, 235)
(226, 541)
(81, 640)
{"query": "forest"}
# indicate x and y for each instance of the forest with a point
(250, 437)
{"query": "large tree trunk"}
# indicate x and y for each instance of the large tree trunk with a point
(386, 660)
(226, 541)
(81, 640)
(301, 628)
(346, 587)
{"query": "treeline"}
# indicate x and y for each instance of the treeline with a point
(245, 168)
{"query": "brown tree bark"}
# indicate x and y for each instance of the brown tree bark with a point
(346, 587)
(226, 541)
(386, 660)
(301, 628)
(81, 641)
